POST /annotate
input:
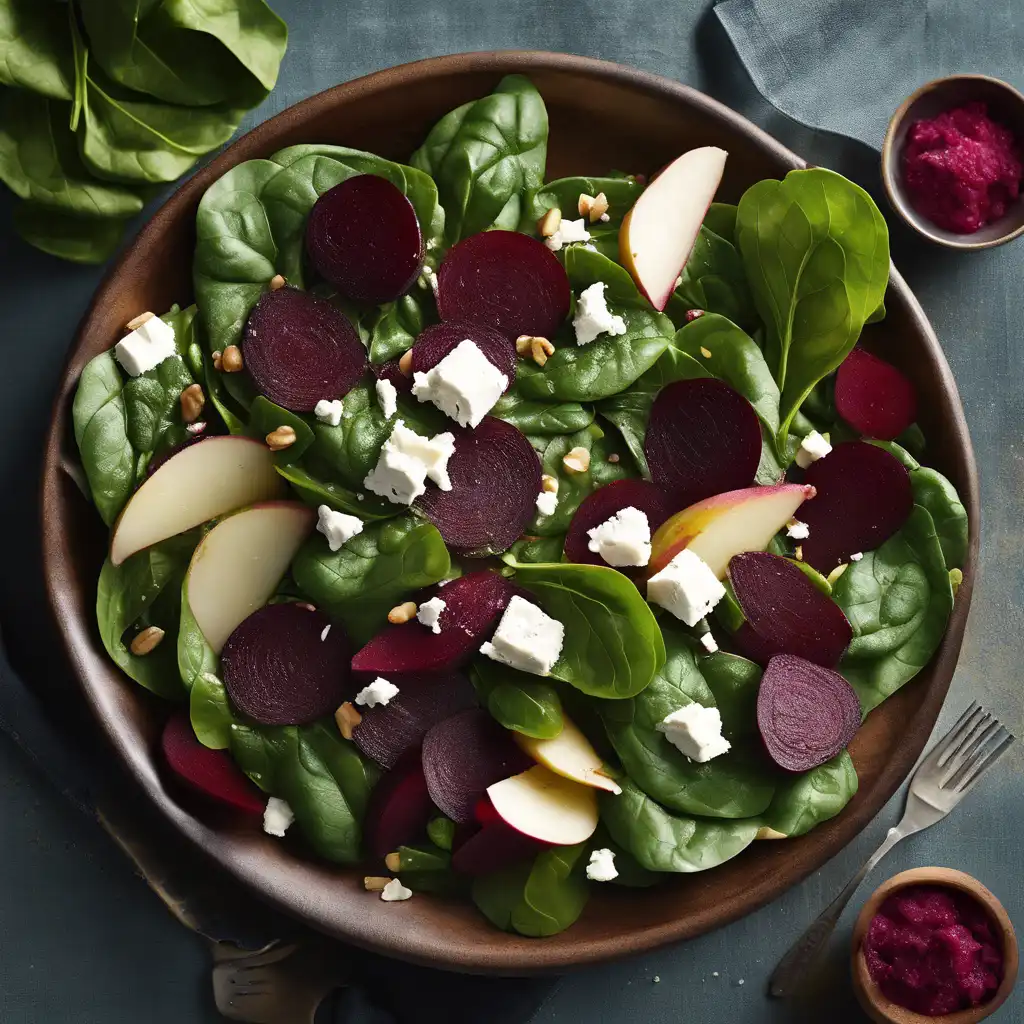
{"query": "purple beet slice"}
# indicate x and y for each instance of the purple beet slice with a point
(875, 398)
(210, 772)
(465, 754)
(300, 348)
(863, 498)
(363, 237)
(703, 438)
(605, 502)
(389, 731)
(495, 475)
(399, 808)
(506, 280)
(392, 372)
(786, 612)
(280, 668)
(495, 846)
(438, 340)
(806, 713)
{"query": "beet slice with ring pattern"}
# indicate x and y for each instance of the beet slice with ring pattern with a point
(875, 398)
(434, 343)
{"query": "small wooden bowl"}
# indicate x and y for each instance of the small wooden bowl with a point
(883, 1010)
(1005, 105)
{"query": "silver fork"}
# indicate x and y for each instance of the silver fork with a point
(948, 773)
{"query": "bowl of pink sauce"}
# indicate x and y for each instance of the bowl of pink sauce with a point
(953, 161)
(933, 945)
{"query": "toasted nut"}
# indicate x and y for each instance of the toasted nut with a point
(375, 883)
(705, 352)
(136, 322)
(231, 359)
(597, 209)
(540, 349)
(799, 554)
(549, 483)
(584, 205)
(548, 224)
(523, 344)
(283, 437)
(192, 401)
(277, 282)
(347, 718)
(393, 861)
(402, 612)
(215, 356)
(145, 641)
(577, 460)
(405, 363)
(613, 458)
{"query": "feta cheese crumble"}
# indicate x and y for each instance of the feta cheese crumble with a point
(593, 316)
(568, 231)
(624, 539)
(812, 448)
(329, 412)
(708, 643)
(526, 638)
(797, 530)
(696, 732)
(856, 556)
(406, 461)
(686, 587)
(387, 398)
(547, 502)
(337, 527)
(277, 816)
(602, 866)
(146, 347)
(380, 691)
(464, 385)
(429, 613)
(324, 632)
(395, 892)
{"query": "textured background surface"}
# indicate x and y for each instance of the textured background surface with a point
(84, 940)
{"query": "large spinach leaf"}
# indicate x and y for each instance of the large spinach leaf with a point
(538, 549)
(935, 493)
(531, 417)
(35, 48)
(807, 800)
(78, 239)
(395, 328)
(519, 701)
(713, 280)
(316, 492)
(734, 682)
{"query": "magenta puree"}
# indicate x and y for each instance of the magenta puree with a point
(962, 169)
(934, 950)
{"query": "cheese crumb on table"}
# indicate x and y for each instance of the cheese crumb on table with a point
(602, 866)
(464, 385)
(387, 398)
(329, 412)
(429, 613)
(146, 347)
(686, 587)
(568, 231)
(394, 892)
(380, 691)
(624, 539)
(696, 732)
(812, 448)
(406, 461)
(337, 527)
(277, 816)
(526, 638)
(593, 316)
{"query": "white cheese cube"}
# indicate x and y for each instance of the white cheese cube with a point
(146, 347)
(380, 691)
(624, 539)
(602, 866)
(387, 398)
(568, 231)
(429, 613)
(526, 638)
(464, 385)
(406, 461)
(709, 644)
(277, 816)
(856, 556)
(686, 587)
(696, 732)
(329, 412)
(337, 527)
(812, 448)
(797, 530)
(547, 502)
(593, 316)
(394, 892)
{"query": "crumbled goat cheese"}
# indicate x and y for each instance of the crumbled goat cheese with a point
(337, 527)
(329, 412)
(277, 816)
(429, 613)
(380, 691)
(568, 231)
(593, 316)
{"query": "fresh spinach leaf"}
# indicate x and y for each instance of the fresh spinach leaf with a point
(78, 239)
(713, 279)
(317, 492)
(538, 549)
(898, 452)
(935, 493)
(441, 832)
(806, 800)
(517, 700)
(35, 48)
(537, 418)
(395, 329)
(630, 873)
(210, 712)
(265, 417)
(734, 682)
(721, 219)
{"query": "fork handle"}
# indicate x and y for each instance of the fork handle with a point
(804, 953)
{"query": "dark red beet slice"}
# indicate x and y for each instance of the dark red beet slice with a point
(703, 438)
(875, 398)
(465, 754)
(279, 669)
(495, 476)
(473, 605)
(299, 348)
(399, 808)
(392, 372)
(363, 237)
(786, 612)
(210, 772)
(495, 846)
(605, 502)
(863, 498)
(806, 713)
(389, 731)
(509, 281)
(438, 340)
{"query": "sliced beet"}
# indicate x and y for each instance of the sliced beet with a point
(495, 475)
(434, 343)
(300, 348)
(506, 280)
(473, 605)
(465, 754)
(363, 237)
(392, 372)
(703, 438)
(806, 713)
(280, 669)
(875, 398)
(495, 846)
(210, 772)
(786, 612)
(389, 731)
(399, 808)
(863, 498)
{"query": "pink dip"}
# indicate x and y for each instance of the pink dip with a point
(962, 169)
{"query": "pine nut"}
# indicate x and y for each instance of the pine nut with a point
(393, 861)
(147, 640)
(375, 883)
(192, 401)
(231, 359)
(549, 483)
(277, 282)
(577, 460)
(347, 718)
(549, 223)
(705, 352)
(598, 208)
(405, 364)
(402, 612)
(283, 437)
(799, 553)
(136, 322)
(613, 458)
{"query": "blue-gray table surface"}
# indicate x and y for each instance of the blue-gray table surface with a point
(82, 939)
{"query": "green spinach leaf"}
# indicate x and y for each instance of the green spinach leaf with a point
(317, 492)
(713, 280)
(807, 800)
(537, 418)
(721, 219)
(78, 239)
(35, 48)
(538, 549)
(935, 493)
(395, 329)
(517, 700)
(265, 417)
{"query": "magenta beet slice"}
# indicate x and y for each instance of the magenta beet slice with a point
(506, 280)
(210, 772)
(279, 668)
(806, 713)
(389, 731)
(786, 612)
(703, 438)
(875, 398)
(391, 371)
(495, 475)
(363, 237)
(863, 498)
(495, 846)
(399, 808)
(465, 754)
(605, 502)
(299, 348)
(438, 340)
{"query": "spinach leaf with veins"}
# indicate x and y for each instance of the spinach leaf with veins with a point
(714, 280)
(519, 701)
(806, 800)
(35, 48)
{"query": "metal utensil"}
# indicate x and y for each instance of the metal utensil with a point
(947, 774)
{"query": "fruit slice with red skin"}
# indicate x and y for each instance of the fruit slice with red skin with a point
(434, 343)
(462, 756)
(399, 808)
(391, 371)
(363, 237)
(210, 772)
(863, 498)
(875, 398)
(702, 438)
(806, 714)
(161, 457)
(495, 475)
(473, 605)
(280, 668)
(785, 612)
(604, 503)
(495, 846)
(506, 280)
(299, 349)
(547, 807)
(389, 731)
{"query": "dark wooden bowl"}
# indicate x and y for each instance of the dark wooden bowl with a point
(602, 116)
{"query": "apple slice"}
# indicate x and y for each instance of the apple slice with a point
(546, 807)
(727, 524)
(237, 566)
(570, 755)
(657, 235)
(195, 484)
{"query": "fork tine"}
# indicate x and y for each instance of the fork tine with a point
(980, 767)
(956, 766)
(933, 758)
(977, 721)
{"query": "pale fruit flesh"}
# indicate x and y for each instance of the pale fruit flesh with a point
(545, 806)
(569, 754)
